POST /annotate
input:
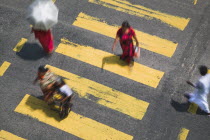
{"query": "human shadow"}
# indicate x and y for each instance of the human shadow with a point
(38, 104)
(183, 107)
(113, 60)
(31, 51)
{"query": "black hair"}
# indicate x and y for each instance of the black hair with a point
(203, 70)
(42, 69)
(126, 24)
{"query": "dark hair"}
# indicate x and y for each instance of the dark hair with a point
(126, 24)
(203, 70)
(42, 69)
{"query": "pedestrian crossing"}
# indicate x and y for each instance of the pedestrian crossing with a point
(78, 125)
(81, 126)
(144, 12)
(4, 135)
(106, 96)
(148, 42)
(102, 59)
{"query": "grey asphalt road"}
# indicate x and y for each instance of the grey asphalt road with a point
(167, 112)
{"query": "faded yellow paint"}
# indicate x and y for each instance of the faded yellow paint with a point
(208, 71)
(193, 108)
(78, 125)
(141, 11)
(20, 45)
(4, 135)
(4, 67)
(104, 95)
(54, 1)
(183, 134)
(148, 42)
(195, 2)
(110, 62)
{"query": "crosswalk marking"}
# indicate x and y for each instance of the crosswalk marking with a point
(195, 2)
(148, 42)
(4, 135)
(141, 11)
(106, 96)
(193, 108)
(20, 45)
(110, 62)
(4, 67)
(183, 134)
(75, 124)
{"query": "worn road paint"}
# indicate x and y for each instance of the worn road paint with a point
(75, 124)
(4, 67)
(110, 62)
(193, 108)
(146, 41)
(141, 11)
(195, 2)
(104, 95)
(20, 45)
(183, 134)
(4, 135)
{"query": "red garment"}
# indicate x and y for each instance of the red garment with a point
(45, 38)
(126, 43)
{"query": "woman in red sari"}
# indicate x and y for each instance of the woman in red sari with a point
(45, 38)
(125, 35)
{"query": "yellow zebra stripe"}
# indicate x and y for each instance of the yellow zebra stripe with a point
(78, 125)
(148, 42)
(98, 58)
(141, 11)
(4, 135)
(4, 68)
(105, 95)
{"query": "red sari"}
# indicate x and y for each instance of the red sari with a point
(126, 43)
(45, 38)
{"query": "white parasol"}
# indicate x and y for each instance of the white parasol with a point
(42, 14)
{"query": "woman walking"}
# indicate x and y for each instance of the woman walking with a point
(45, 38)
(125, 35)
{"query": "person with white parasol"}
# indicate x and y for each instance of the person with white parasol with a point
(42, 15)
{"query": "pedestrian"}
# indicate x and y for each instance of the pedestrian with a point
(125, 35)
(202, 89)
(45, 38)
(46, 80)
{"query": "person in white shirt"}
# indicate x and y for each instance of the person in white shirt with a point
(202, 89)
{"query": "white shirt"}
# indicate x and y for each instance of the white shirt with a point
(66, 90)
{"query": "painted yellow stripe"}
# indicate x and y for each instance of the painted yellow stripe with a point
(4, 67)
(148, 42)
(104, 95)
(208, 71)
(193, 108)
(20, 45)
(110, 62)
(54, 1)
(75, 124)
(183, 134)
(195, 2)
(4, 135)
(141, 11)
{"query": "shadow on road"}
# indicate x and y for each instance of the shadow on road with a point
(183, 107)
(37, 104)
(113, 60)
(31, 51)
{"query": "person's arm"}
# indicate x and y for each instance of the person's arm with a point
(137, 42)
(190, 83)
(115, 43)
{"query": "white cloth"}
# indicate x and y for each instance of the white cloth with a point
(65, 89)
(199, 96)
